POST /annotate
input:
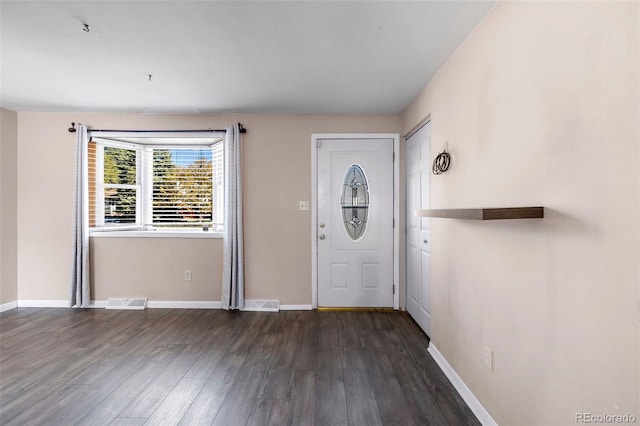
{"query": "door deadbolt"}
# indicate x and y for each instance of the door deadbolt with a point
(321, 224)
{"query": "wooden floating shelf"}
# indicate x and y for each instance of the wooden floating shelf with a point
(486, 214)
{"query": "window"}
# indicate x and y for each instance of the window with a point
(152, 184)
(120, 189)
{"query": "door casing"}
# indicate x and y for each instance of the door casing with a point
(314, 211)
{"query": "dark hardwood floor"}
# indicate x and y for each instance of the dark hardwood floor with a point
(193, 367)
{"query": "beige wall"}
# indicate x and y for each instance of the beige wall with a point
(540, 106)
(277, 158)
(8, 205)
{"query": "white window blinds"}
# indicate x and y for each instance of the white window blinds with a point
(185, 187)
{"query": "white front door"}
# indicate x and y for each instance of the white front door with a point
(355, 205)
(418, 242)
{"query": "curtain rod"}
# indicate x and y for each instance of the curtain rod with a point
(73, 129)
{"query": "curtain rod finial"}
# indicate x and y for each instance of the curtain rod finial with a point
(72, 129)
(242, 129)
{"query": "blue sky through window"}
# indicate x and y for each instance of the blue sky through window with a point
(185, 157)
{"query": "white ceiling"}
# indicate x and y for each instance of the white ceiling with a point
(226, 56)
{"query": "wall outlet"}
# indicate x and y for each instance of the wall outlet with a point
(304, 205)
(488, 358)
(187, 274)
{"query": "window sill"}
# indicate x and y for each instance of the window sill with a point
(156, 234)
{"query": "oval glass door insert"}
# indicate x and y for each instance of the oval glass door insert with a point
(355, 202)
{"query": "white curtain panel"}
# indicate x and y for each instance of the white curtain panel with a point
(233, 262)
(80, 286)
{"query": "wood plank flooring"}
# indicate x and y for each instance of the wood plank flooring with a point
(212, 367)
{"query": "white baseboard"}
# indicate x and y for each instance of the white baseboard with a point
(8, 306)
(296, 307)
(474, 404)
(168, 304)
(44, 303)
(50, 303)
(97, 304)
(151, 304)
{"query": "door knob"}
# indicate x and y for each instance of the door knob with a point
(322, 237)
(425, 241)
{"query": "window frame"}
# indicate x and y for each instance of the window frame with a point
(101, 186)
(144, 183)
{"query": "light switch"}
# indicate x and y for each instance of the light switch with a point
(304, 205)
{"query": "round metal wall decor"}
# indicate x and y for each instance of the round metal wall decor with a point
(355, 202)
(441, 163)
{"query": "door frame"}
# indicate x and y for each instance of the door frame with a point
(315, 137)
(408, 136)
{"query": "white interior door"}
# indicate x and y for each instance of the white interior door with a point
(355, 222)
(418, 238)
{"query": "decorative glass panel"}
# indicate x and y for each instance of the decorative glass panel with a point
(355, 202)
